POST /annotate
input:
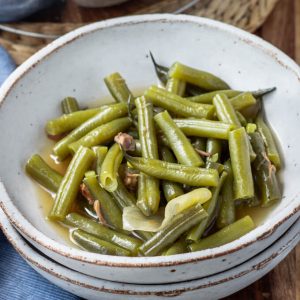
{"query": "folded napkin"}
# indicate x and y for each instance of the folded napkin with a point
(18, 281)
(14, 10)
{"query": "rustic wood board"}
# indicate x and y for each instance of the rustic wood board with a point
(282, 29)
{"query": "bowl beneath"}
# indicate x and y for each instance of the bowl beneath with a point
(75, 64)
(212, 287)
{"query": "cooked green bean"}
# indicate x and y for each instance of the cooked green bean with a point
(240, 161)
(181, 223)
(227, 210)
(175, 172)
(196, 232)
(171, 189)
(106, 114)
(263, 92)
(178, 247)
(269, 141)
(100, 152)
(118, 88)
(69, 186)
(122, 196)
(103, 232)
(91, 243)
(225, 110)
(176, 86)
(251, 127)
(161, 71)
(202, 79)
(103, 134)
(242, 101)
(138, 149)
(225, 235)
(214, 148)
(39, 170)
(241, 118)
(69, 105)
(109, 209)
(264, 172)
(181, 146)
(204, 128)
(207, 98)
(178, 105)
(150, 186)
(67, 122)
(109, 168)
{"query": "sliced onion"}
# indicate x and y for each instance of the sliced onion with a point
(134, 219)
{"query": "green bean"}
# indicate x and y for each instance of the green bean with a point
(241, 118)
(69, 186)
(171, 189)
(251, 151)
(122, 196)
(103, 232)
(181, 146)
(142, 203)
(265, 174)
(202, 79)
(175, 172)
(204, 128)
(102, 134)
(69, 105)
(138, 149)
(197, 231)
(118, 87)
(70, 121)
(151, 195)
(100, 152)
(263, 92)
(176, 86)
(251, 128)
(227, 210)
(177, 248)
(269, 141)
(181, 223)
(225, 110)
(225, 235)
(240, 161)
(161, 71)
(94, 244)
(213, 147)
(207, 98)
(242, 101)
(39, 170)
(178, 105)
(109, 209)
(109, 168)
(106, 114)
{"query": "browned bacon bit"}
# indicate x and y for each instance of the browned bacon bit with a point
(97, 208)
(56, 137)
(203, 153)
(86, 194)
(131, 180)
(126, 141)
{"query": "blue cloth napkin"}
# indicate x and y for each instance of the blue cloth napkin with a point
(18, 281)
(13, 10)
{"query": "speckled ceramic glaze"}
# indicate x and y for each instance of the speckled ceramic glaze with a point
(75, 65)
(212, 287)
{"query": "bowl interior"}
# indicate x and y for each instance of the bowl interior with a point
(75, 66)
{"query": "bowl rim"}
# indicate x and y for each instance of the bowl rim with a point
(258, 262)
(27, 229)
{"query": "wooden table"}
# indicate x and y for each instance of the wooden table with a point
(282, 29)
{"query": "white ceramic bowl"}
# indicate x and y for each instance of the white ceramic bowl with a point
(75, 65)
(212, 287)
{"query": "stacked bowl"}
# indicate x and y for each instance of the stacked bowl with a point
(74, 65)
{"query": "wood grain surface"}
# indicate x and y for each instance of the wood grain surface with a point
(282, 29)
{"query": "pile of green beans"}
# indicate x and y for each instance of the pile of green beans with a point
(141, 153)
